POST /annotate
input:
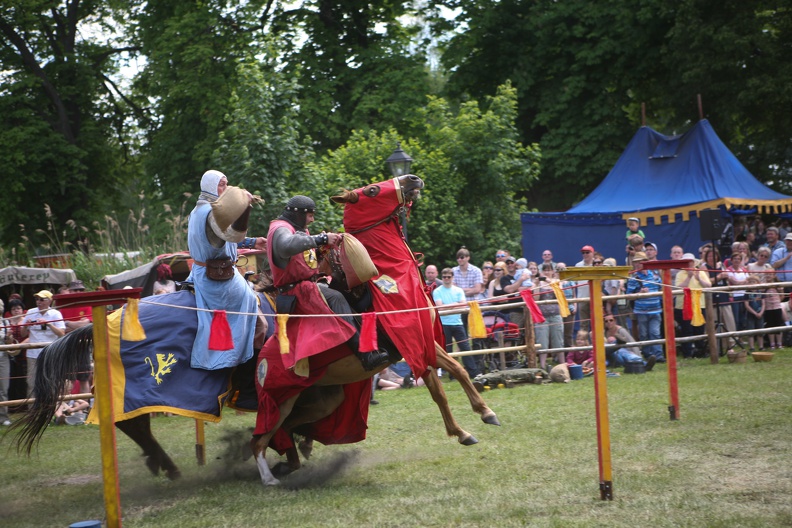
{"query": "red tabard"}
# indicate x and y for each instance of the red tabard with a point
(399, 285)
(276, 384)
(308, 336)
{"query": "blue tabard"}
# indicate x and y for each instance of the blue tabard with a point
(233, 295)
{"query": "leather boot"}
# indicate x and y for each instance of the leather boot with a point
(372, 360)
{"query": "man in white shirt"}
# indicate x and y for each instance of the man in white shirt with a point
(43, 325)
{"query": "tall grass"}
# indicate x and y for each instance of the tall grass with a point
(725, 463)
(119, 242)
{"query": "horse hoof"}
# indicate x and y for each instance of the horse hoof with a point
(469, 441)
(491, 419)
(173, 474)
(281, 469)
(271, 482)
(306, 449)
(153, 466)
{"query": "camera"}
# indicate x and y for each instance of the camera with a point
(541, 278)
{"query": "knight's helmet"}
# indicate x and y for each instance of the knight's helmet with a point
(297, 209)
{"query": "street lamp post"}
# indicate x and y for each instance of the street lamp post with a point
(399, 162)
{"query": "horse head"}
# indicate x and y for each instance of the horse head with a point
(377, 202)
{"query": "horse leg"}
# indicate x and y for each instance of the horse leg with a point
(448, 363)
(306, 447)
(259, 443)
(439, 397)
(312, 405)
(139, 430)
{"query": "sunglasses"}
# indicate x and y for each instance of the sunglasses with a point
(609, 320)
(500, 255)
(460, 258)
(586, 252)
(497, 270)
(448, 276)
(487, 267)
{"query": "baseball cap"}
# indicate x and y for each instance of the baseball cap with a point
(651, 244)
(632, 219)
(639, 255)
(76, 285)
(587, 248)
(511, 259)
(44, 294)
(788, 236)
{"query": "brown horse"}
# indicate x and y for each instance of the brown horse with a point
(372, 214)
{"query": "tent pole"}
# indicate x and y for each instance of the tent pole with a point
(700, 107)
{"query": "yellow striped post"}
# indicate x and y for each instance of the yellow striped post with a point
(595, 276)
(104, 406)
(200, 442)
(103, 384)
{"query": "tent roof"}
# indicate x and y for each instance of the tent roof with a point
(661, 175)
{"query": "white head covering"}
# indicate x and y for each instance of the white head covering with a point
(209, 182)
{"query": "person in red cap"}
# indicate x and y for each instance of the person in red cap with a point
(584, 308)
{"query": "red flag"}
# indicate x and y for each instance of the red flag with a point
(368, 333)
(220, 333)
(530, 303)
(687, 305)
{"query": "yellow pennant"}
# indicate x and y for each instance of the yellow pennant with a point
(283, 339)
(561, 298)
(476, 322)
(695, 299)
(132, 330)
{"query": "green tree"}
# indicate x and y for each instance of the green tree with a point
(583, 68)
(61, 116)
(260, 149)
(736, 55)
(355, 66)
(191, 52)
(472, 163)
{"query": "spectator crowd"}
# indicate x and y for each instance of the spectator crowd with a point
(759, 255)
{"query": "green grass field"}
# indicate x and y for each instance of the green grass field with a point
(727, 462)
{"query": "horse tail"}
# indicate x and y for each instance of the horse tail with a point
(57, 362)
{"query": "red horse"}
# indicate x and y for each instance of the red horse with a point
(331, 404)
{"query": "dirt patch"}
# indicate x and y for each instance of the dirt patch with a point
(72, 479)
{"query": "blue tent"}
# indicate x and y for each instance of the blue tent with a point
(665, 181)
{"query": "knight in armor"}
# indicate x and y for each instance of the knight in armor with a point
(216, 229)
(294, 262)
